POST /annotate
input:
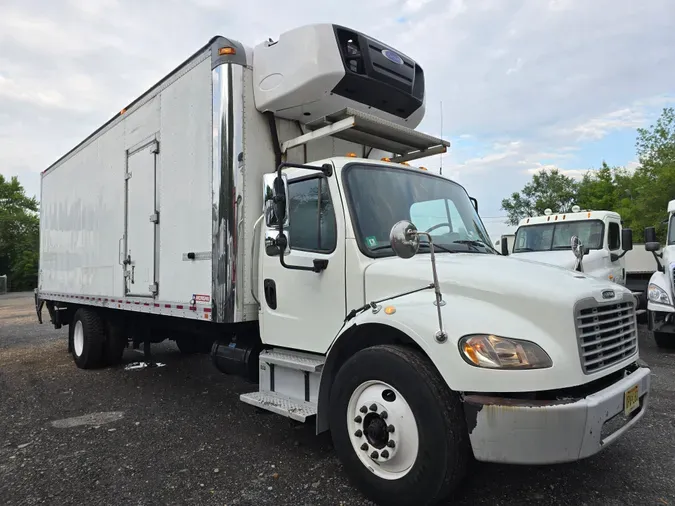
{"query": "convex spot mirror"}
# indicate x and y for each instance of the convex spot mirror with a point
(275, 201)
(404, 239)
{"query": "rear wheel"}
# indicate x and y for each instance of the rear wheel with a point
(87, 338)
(397, 428)
(665, 340)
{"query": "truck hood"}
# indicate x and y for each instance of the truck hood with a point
(494, 279)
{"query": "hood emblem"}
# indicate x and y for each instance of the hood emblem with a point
(608, 294)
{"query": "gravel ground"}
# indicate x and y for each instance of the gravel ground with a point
(177, 434)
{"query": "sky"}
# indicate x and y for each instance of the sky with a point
(522, 84)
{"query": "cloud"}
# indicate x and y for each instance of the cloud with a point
(524, 84)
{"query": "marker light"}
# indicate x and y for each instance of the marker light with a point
(227, 50)
(492, 352)
(390, 310)
(385, 159)
(351, 155)
(405, 163)
(423, 168)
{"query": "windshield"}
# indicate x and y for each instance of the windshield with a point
(379, 197)
(558, 236)
(671, 230)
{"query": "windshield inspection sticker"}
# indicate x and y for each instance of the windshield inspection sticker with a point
(371, 241)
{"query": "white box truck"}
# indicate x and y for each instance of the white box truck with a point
(607, 248)
(661, 290)
(259, 202)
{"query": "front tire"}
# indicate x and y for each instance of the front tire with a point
(87, 336)
(664, 340)
(397, 428)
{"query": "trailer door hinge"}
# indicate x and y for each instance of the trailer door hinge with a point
(154, 217)
(155, 148)
(127, 176)
(154, 288)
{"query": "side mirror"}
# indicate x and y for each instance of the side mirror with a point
(505, 246)
(627, 239)
(650, 234)
(404, 239)
(577, 248)
(652, 246)
(275, 203)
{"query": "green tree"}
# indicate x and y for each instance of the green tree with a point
(19, 235)
(654, 179)
(548, 189)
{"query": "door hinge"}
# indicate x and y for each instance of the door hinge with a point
(154, 288)
(154, 217)
(155, 148)
(127, 176)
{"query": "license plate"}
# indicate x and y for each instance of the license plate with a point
(631, 400)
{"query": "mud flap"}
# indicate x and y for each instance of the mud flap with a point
(39, 303)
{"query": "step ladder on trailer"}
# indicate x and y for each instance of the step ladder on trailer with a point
(288, 384)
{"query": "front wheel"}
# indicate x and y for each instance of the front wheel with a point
(397, 428)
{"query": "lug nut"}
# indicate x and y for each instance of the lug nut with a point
(358, 419)
(363, 409)
(358, 433)
(385, 454)
(390, 428)
(373, 407)
(364, 447)
(374, 455)
(384, 415)
(391, 444)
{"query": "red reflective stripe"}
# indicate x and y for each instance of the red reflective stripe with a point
(156, 305)
(179, 307)
(137, 303)
(145, 304)
(207, 309)
(167, 305)
(193, 308)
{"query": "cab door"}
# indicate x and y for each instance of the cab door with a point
(616, 267)
(301, 308)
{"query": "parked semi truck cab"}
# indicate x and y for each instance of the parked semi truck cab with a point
(356, 290)
(661, 290)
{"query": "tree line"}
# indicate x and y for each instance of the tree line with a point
(19, 235)
(640, 196)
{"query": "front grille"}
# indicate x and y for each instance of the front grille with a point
(607, 334)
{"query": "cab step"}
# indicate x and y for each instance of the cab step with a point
(293, 360)
(640, 312)
(288, 383)
(280, 404)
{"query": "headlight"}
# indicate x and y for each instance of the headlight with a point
(657, 294)
(494, 352)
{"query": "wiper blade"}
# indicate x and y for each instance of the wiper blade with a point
(522, 249)
(378, 248)
(442, 248)
(474, 243)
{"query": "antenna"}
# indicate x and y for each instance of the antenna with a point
(441, 136)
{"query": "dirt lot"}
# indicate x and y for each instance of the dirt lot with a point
(178, 434)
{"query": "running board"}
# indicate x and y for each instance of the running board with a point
(280, 404)
(293, 360)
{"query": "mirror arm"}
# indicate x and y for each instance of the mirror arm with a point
(326, 168)
(659, 265)
(614, 257)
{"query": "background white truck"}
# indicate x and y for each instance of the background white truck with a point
(258, 201)
(661, 291)
(609, 250)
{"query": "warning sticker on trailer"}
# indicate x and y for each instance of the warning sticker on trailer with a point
(202, 298)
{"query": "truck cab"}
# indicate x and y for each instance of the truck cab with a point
(605, 242)
(661, 289)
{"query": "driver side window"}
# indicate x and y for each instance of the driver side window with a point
(311, 216)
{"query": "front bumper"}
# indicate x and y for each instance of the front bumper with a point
(517, 431)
